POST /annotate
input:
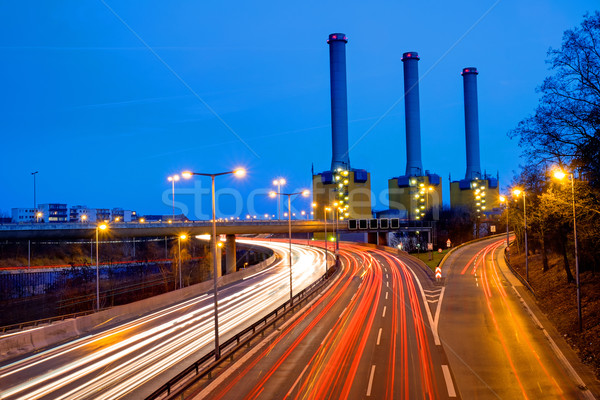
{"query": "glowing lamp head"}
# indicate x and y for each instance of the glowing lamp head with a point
(142, 220)
(306, 193)
(39, 214)
(183, 237)
(240, 172)
(102, 227)
(186, 174)
(272, 194)
(314, 205)
(517, 192)
(559, 174)
(502, 199)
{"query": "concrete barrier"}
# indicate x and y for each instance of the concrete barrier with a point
(20, 343)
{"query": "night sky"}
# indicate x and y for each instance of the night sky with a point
(106, 99)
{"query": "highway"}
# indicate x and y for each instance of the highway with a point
(372, 334)
(133, 359)
(496, 349)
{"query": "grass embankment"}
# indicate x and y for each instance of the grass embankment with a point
(436, 258)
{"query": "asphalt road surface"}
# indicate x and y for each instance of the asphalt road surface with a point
(371, 334)
(498, 343)
(133, 359)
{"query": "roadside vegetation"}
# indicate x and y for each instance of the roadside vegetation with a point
(563, 134)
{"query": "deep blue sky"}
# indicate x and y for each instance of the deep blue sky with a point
(104, 121)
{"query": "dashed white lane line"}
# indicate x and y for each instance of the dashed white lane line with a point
(371, 380)
(388, 284)
(289, 393)
(379, 336)
(448, 379)
(386, 295)
(384, 308)
(386, 276)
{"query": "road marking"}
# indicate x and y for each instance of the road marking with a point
(384, 308)
(448, 379)
(342, 313)
(386, 295)
(388, 284)
(432, 324)
(371, 380)
(326, 336)
(570, 370)
(379, 336)
(295, 383)
(386, 276)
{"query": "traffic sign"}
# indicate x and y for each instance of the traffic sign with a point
(448, 243)
(438, 273)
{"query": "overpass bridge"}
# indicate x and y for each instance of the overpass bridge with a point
(372, 230)
(78, 230)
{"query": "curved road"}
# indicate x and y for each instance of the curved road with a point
(371, 334)
(499, 344)
(133, 359)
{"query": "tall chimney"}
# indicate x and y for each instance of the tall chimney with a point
(339, 101)
(471, 123)
(414, 167)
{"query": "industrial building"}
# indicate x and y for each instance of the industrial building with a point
(347, 190)
(478, 193)
(418, 193)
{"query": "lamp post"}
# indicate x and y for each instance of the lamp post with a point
(173, 179)
(279, 183)
(336, 205)
(179, 239)
(240, 172)
(326, 239)
(560, 175)
(34, 199)
(304, 193)
(100, 227)
(38, 215)
(504, 200)
(518, 192)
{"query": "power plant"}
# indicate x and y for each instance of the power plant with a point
(417, 192)
(344, 192)
(477, 193)
(348, 187)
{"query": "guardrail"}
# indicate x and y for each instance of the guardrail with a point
(206, 364)
(49, 320)
(517, 274)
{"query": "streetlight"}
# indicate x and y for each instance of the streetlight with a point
(504, 200)
(279, 183)
(239, 172)
(38, 215)
(100, 227)
(173, 179)
(304, 193)
(336, 205)
(34, 199)
(560, 175)
(83, 218)
(179, 239)
(518, 192)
